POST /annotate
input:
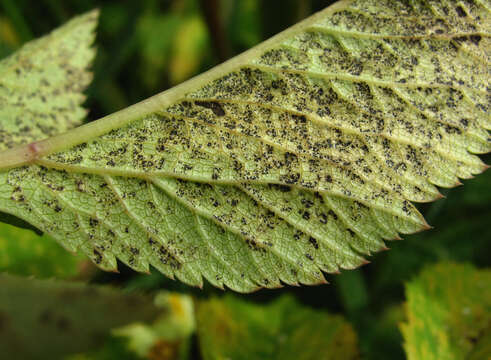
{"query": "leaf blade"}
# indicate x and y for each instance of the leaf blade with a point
(301, 156)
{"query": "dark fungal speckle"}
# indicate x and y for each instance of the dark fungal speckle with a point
(213, 106)
(460, 11)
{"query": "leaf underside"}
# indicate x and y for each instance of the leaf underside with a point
(301, 160)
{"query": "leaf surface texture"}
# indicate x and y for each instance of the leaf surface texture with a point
(299, 157)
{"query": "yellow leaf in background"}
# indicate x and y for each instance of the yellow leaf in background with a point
(190, 42)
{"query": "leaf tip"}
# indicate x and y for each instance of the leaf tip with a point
(439, 196)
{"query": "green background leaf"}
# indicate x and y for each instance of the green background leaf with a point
(229, 328)
(41, 84)
(449, 312)
(50, 319)
(22, 252)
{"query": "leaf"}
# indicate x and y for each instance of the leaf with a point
(41, 85)
(298, 157)
(230, 328)
(463, 214)
(41, 91)
(22, 252)
(191, 39)
(64, 318)
(449, 312)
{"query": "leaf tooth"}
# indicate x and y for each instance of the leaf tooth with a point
(168, 188)
(230, 274)
(307, 213)
(264, 234)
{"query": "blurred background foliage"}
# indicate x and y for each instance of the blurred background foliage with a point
(147, 46)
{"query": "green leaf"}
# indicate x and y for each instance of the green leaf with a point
(230, 328)
(298, 157)
(41, 85)
(449, 313)
(191, 39)
(49, 319)
(23, 252)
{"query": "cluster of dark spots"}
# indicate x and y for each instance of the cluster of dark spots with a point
(253, 245)
(310, 257)
(351, 232)
(405, 206)
(119, 151)
(151, 205)
(215, 107)
(332, 214)
(97, 257)
(299, 119)
(306, 215)
(160, 147)
(328, 178)
(319, 197)
(216, 173)
(17, 195)
(134, 251)
(237, 166)
(460, 11)
(307, 203)
(55, 187)
(280, 85)
(313, 242)
(355, 67)
(323, 218)
(281, 188)
(234, 202)
(360, 205)
(474, 39)
(449, 129)
(402, 166)
(93, 222)
(290, 178)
